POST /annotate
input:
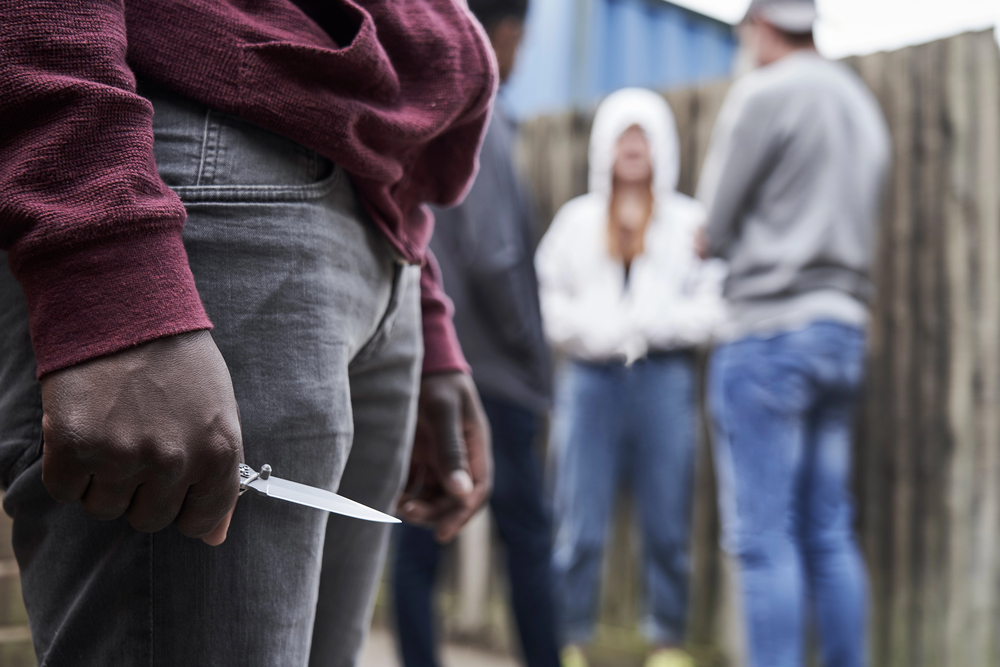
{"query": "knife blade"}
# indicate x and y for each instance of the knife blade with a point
(265, 483)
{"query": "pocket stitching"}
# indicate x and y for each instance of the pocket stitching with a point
(260, 193)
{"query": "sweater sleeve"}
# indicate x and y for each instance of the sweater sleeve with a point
(93, 234)
(442, 352)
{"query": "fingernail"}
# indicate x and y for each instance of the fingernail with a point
(461, 483)
(408, 508)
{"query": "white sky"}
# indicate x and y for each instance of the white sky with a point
(850, 27)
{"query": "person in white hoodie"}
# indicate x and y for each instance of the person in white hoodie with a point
(625, 300)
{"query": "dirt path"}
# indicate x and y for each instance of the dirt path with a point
(381, 652)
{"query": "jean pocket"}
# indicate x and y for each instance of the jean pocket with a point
(229, 193)
(206, 155)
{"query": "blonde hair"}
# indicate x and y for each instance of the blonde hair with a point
(615, 241)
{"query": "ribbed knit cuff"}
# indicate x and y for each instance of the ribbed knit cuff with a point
(109, 295)
(442, 352)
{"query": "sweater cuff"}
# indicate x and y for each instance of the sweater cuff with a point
(442, 352)
(97, 300)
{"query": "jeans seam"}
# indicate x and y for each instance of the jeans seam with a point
(723, 453)
(204, 147)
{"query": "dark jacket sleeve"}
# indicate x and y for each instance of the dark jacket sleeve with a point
(500, 276)
(498, 246)
(92, 233)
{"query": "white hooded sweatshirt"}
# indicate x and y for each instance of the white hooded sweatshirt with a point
(671, 299)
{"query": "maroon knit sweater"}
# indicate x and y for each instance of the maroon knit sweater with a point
(395, 91)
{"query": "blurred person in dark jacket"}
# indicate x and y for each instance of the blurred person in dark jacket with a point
(793, 183)
(485, 248)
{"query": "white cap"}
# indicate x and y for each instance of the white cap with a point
(793, 16)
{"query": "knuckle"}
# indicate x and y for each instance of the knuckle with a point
(59, 442)
(217, 470)
(169, 459)
(222, 455)
(121, 453)
(70, 432)
(54, 425)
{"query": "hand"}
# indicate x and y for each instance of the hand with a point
(451, 471)
(701, 243)
(152, 432)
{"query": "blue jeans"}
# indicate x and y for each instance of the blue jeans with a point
(524, 528)
(783, 410)
(636, 422)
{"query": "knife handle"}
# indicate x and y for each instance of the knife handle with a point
(247, 475)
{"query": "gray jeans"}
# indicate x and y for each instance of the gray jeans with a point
(320, 326)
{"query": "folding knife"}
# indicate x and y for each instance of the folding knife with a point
(263, 482)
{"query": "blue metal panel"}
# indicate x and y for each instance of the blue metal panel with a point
(543, 77)
(577, 51)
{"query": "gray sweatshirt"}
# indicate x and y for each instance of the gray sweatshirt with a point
(793, 183)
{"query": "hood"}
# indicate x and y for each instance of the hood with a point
(618, 112)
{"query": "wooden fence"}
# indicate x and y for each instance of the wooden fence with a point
(928, 453)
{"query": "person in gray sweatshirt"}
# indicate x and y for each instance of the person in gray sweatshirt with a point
(793, 183)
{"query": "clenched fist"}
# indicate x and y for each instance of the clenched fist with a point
(152, 433)
(451, 471)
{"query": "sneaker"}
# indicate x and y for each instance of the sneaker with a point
(572, 656)
(668, 657)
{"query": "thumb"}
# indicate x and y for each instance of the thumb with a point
(460, 483)
(452, 452)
